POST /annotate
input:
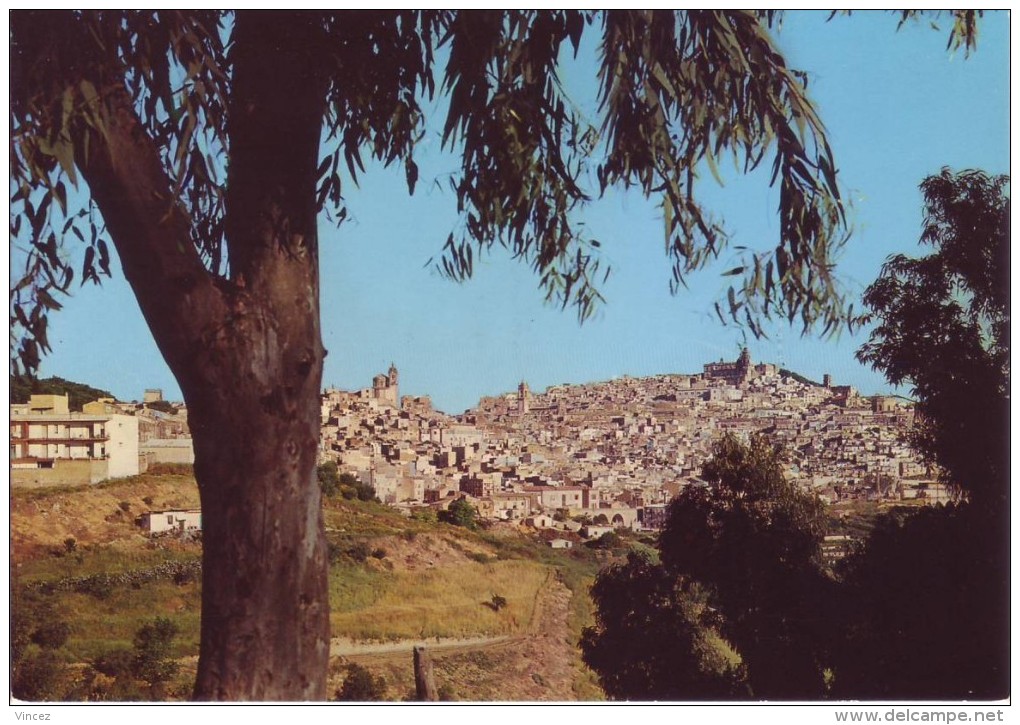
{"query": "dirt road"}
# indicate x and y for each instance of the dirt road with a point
(535, 665)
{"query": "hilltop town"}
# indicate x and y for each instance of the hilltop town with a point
(619, 449)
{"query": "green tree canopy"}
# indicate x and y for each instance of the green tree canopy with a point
(460, 513)
(329, 478)
(653, 638)
(741, 564)
(926, 599)
(678, 93)
(923, 609)
(942, 328)
(153, 659)
(753, 538)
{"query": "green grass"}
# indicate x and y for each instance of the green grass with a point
(355, 588)
(100, 559)
(101, 625)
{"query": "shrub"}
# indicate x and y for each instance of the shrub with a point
(186, 575)
(152, 661)
(38, 677)
(608, 540)
(379, 553)
(35, 621)
(51, 633)
(425, 515)
(114, 663)
(360, 685)
(125, 506)
(460, 513)
(99, 586)
(359, 552)
(329, 479)
(351, 488)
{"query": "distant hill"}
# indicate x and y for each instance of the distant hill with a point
(22, 387)
(798, 377)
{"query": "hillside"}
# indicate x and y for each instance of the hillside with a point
(394, 582)
(22, 387)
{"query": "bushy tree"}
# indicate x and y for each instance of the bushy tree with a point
(117, 663)
(153, 660)
(38, 676)
(924, 611)
(162, 406)
(37, 632)
(329, 478)
(653, 637)
(352, 487)
(749, 544)
(942, 327)
(460, 513)
(608, 540)
(110, 677)
(926, 599)
(753, 539)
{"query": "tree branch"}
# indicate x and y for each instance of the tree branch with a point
(122, 165)
(275, 122)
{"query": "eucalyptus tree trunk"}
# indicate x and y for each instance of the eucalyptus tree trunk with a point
(247, 353)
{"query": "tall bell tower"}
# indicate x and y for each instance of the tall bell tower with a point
(392, 386)
(523, 398)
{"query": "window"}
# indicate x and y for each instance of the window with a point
(170, 519)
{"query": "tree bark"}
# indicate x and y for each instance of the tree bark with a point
(265, 609)
(265, 613)
(247, 353)
(424, 676)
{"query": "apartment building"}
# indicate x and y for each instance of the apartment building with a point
(51, 446)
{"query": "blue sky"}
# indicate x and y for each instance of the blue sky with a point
(897, 105)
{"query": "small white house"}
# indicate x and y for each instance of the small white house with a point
(540, 521)
(158, 522)
(561, 544)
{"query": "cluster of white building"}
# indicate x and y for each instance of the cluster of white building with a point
(623, 447)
